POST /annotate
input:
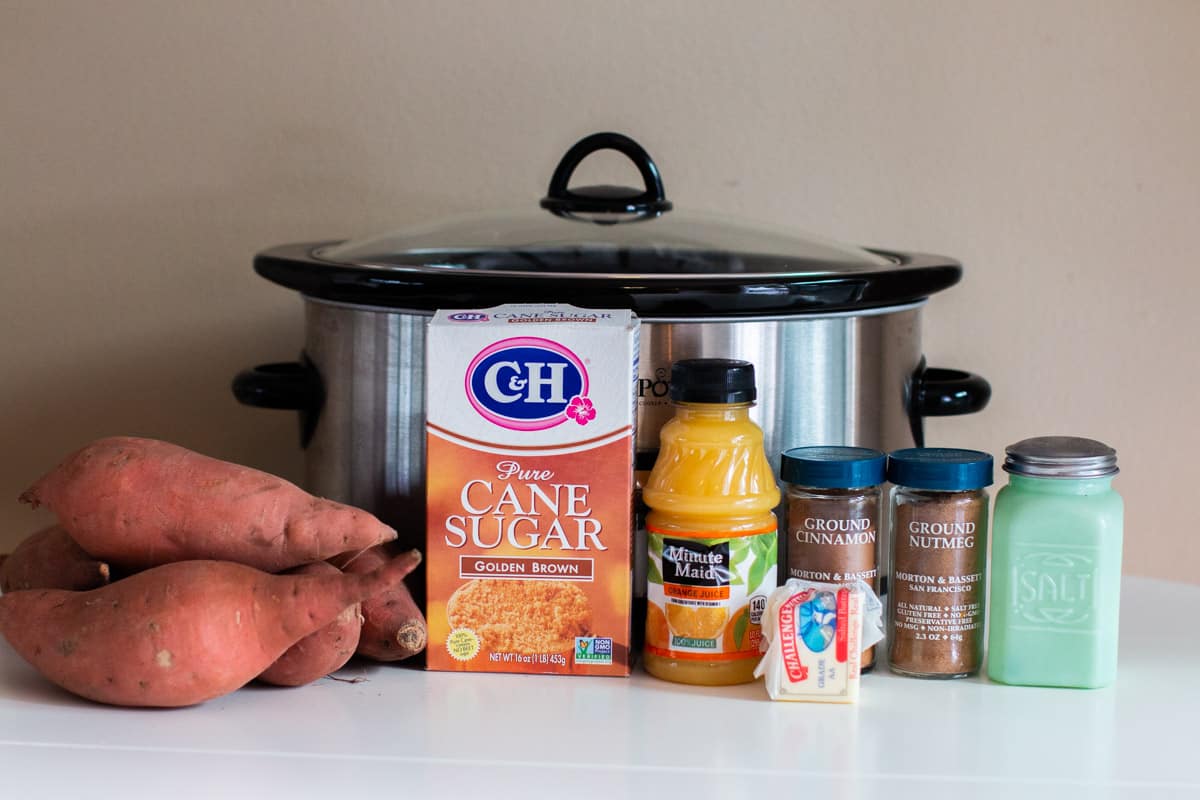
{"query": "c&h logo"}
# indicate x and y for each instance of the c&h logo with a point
(529, 384)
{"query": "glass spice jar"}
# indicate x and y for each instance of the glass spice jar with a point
(936, 591)
(833, 497)
(1056, 565)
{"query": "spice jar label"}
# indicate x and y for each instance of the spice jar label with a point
(937, 591)
(828, 549)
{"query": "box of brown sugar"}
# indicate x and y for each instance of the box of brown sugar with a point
(529, 459)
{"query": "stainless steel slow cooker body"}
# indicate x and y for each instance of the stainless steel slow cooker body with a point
(833, 331)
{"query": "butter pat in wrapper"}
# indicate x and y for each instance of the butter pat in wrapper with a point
(816, 634)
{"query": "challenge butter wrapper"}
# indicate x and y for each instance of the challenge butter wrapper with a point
(816, 634)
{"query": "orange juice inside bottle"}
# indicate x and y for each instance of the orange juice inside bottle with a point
(711, 530)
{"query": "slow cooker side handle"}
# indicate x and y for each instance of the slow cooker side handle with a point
(290, 385)
(941, 392)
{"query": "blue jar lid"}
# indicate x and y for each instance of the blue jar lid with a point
(940, 468)
(833, 467)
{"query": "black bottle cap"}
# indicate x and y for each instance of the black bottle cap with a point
(712, 380)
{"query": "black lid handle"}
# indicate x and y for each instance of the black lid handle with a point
(651, 201)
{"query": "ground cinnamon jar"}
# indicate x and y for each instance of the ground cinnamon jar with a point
(833, 514)
(939, 519)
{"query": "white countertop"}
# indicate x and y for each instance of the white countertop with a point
(400, 732)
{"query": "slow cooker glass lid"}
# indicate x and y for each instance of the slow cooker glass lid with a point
(673, 243)
(608, 246)
(606, 229)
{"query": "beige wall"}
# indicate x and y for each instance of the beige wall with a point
(148, 149)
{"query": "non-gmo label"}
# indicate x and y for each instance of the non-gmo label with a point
(593, 650)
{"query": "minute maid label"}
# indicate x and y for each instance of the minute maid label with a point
(706, 596)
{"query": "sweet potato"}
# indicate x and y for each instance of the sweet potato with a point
(393, 626)
(181, 633)
(50, 559)
(321, 652)
(138, 503)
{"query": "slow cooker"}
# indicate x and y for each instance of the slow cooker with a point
(834, 330)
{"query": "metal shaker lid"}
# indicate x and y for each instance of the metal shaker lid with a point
(1060, 457)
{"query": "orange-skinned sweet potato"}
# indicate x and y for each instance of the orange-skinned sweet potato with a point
(51, 559)
(321, 652)
(138, 503)
(393, 626)
(181, 633)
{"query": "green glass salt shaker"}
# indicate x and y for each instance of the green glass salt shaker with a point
(1056, 565)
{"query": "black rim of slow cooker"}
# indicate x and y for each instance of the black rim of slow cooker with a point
(425, 288)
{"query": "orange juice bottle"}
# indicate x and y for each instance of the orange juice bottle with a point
(711, 531)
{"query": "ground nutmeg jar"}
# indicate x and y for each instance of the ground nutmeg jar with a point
(936, 598)
(833, 497)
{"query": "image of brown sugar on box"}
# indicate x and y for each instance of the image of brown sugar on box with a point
(518, 616)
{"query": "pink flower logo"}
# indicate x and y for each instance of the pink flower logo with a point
(581, 410)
